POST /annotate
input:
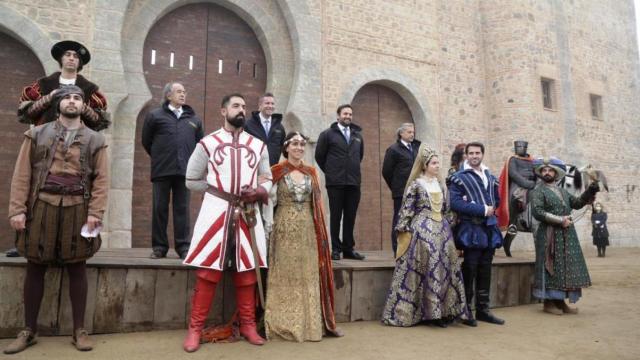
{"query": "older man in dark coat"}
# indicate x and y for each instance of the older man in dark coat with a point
(169, 135)
(398, 161)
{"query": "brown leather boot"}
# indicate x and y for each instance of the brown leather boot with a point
(550, 307)
(560, 304)
(24, 339)
(81, 340)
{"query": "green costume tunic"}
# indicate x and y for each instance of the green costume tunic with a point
(560, 270)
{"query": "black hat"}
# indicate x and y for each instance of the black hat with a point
(59, 49)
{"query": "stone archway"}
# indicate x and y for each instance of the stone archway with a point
(214, 53)
(385, 98)
(427, 129)
(270, 27)
(25, 31)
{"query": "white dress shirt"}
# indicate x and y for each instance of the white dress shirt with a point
(177, 111)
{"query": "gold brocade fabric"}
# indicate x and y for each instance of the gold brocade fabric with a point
(436, 205)
(293, 310)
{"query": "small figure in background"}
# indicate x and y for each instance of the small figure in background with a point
(457, 159)
(600, 232)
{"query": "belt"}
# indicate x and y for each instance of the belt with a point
(62, 189)
(476, 220)
(232, 198)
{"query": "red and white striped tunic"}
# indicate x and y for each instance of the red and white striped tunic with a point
(228, 162)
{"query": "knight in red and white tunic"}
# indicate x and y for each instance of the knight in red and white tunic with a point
(229, 161)
(232, 168)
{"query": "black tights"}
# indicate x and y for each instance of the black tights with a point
(34, 290)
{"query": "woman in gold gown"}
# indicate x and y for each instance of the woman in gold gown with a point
(299, 304)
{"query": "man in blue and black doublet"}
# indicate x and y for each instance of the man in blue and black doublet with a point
(473, 192)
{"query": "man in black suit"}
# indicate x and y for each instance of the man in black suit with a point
(267, 126)
(339, 152)
(396, 168)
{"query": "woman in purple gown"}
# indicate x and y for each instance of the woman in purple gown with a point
(427, 282)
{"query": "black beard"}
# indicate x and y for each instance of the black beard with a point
(70, 114)
(548, 179)
(237, 121)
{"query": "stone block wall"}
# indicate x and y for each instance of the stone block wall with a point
(468, 69)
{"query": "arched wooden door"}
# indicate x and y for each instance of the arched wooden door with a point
(19, 67)
(380, 111)
(213, 53)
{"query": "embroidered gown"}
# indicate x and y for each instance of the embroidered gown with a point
(427, 281)
(560, 270)
(293, 308)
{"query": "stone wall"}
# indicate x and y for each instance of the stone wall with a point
(468, 70)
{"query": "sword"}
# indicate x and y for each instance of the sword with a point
(249, 215)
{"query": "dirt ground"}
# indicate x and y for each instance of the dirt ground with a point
(607, 327)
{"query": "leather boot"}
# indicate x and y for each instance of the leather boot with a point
(24, 339)
(483, 285)
(81, 340)
(468, 276)
(561, 305)
(246, 302)
(604, 250)
(203, 294)
(512, 231)
(550, 307)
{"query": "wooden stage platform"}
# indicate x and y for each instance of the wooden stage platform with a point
(130, 292)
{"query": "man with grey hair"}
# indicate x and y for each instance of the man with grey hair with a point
(169, 135)
(398, 161)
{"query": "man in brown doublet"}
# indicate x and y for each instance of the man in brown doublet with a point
(60, 184)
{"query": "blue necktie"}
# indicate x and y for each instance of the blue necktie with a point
(346, 133)
(267, 127)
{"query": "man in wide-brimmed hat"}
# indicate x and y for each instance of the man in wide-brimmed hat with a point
(36, 99)
(35, 102)
(560, 271)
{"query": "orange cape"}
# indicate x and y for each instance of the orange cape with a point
(324, 253)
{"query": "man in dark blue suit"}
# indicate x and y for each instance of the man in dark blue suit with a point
(474, 196)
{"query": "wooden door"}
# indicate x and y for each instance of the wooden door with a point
(19, 67)
(379, 111)
(214, 53)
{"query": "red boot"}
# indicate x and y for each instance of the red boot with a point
(246, 302)
(203, 294)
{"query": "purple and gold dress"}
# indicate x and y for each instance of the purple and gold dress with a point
(427, 281)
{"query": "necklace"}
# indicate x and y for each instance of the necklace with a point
(435, 197)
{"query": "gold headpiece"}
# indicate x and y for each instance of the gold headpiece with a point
(427, 154)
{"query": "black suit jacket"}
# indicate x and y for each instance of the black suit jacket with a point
(340, 161)
(397, 165)
(276, 136)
